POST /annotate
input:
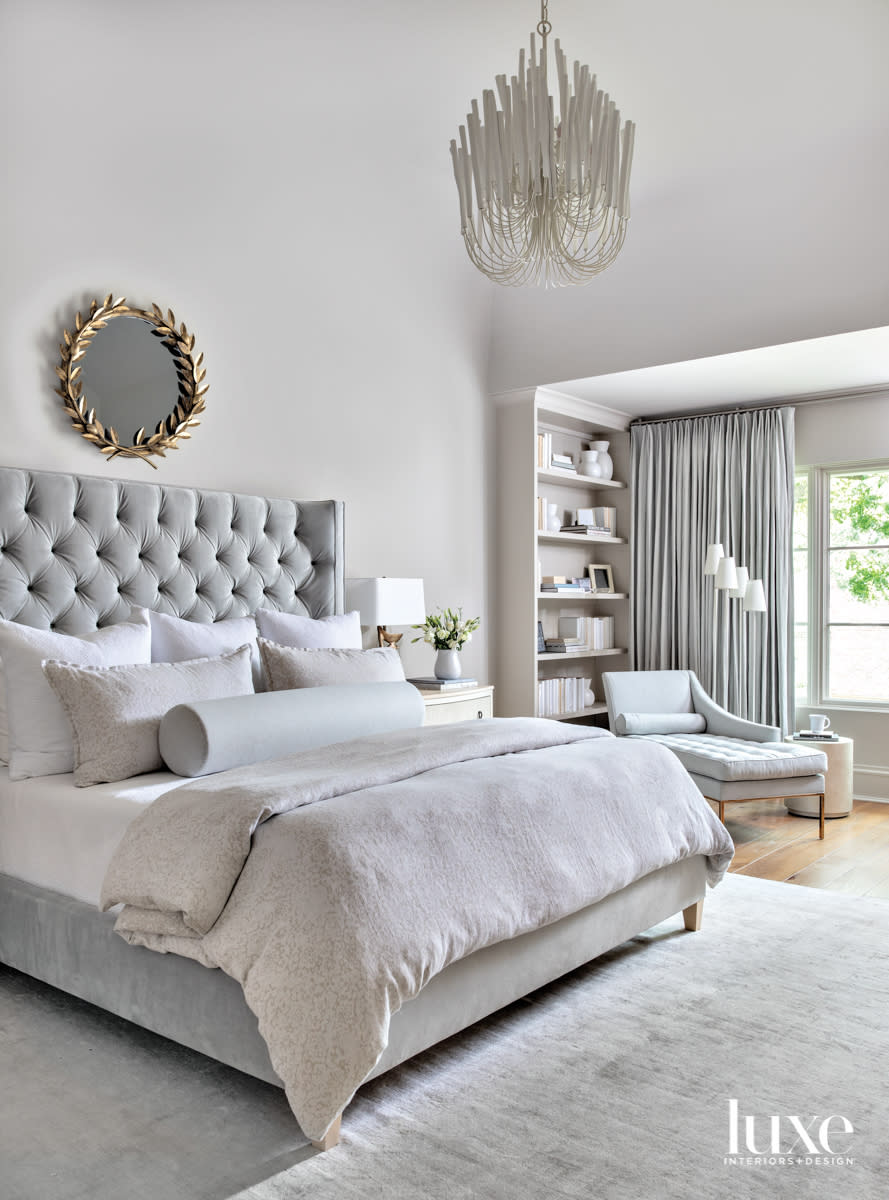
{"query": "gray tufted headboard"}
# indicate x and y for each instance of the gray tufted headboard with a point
(76, 551)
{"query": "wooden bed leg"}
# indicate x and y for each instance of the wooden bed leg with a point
(721, 804)
(332, 1137)
(821, 815)
(694, 916)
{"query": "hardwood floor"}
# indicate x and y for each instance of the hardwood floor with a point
(853, 858)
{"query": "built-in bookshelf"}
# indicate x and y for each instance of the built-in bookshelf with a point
(553, 682)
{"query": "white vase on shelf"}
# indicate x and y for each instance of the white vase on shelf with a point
(553, 518)
(606, 466)
(589, 464)
(448, 665)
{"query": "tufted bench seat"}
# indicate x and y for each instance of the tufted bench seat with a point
(729, 759)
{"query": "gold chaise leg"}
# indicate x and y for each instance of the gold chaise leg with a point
(721, 804)
(821, 815)
(332, 1137)
(694, 916)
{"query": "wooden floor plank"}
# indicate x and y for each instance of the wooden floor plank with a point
(853, 858)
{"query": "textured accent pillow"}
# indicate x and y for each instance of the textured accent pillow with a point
(310, 633)
(40, 739)
(173, 639)
(645, 723)
(116, 711)
(287, 667)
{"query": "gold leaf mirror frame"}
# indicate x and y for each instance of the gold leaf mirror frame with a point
(190, 375)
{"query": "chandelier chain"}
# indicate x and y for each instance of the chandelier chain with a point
(544, 28)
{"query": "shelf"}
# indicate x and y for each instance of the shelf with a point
(593, 711)
(574, 480)
(586, 539)
(573, 597)
(568, 655)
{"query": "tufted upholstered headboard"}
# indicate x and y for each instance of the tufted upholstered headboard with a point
(76, 551)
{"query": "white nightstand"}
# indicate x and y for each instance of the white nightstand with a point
(457, 704)
(837, 781)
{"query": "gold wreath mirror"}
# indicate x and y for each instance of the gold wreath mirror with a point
(130, 369)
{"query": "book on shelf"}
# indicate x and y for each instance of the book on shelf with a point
(555, 646)
(587, 529)
(563, 694)
(429, 683)
(587, 633)
(541, 640)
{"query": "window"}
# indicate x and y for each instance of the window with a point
(841, 585)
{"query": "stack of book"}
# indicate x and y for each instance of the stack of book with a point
(567, 585)
(589, 530)
(560, 696)
(562, 462)
(587, 633)
(430, 684)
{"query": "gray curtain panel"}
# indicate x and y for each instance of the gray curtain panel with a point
(729, 479)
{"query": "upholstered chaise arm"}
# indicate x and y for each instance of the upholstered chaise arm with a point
(725, 724)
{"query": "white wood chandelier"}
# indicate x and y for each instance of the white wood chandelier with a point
(552, 197)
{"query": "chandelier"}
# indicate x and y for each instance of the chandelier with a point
(544, 200)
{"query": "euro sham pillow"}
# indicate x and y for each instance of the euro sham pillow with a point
(40, 737)
(310, 633)
(287, 667)
(173, 639)
(116, 711)
(640, 724)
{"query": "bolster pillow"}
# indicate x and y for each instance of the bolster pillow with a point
(643, 723)
(214, 735)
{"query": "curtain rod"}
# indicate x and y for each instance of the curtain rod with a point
(788, 402)
(725, 412)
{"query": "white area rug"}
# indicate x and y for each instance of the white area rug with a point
(615, 1083)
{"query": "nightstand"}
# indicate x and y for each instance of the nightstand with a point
(457, 704)
(837, 781)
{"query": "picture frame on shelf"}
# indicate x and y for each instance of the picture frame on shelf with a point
(602, 579)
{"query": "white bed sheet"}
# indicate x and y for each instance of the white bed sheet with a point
(58, 836)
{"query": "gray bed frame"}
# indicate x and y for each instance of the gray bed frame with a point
(75, 553)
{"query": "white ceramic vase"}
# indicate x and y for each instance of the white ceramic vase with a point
(447, 665)
(553, 518)
(589, 464)
(606, 466)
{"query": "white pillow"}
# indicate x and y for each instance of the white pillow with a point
(173, 639)
(640, 724)
(310, 633)
(40, 736)
(287, 667)
(116, 711)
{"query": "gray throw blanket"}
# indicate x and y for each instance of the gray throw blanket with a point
(388, 858)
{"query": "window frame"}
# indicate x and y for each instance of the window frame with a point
(818, 552)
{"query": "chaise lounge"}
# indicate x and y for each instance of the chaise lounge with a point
(730, 759)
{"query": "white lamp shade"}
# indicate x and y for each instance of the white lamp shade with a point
(726, 574)
(741, 589)
(755, 598)
(386, 601)
(714, 554)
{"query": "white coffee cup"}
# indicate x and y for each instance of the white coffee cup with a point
(818, 722)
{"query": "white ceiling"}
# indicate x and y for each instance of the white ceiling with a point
(844, 363)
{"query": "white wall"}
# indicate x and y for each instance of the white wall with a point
(854, 429)
(264, 170)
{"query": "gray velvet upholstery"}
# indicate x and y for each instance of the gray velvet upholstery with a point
(77, 551)
(214, 735)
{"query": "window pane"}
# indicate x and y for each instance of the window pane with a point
(801, 512)
(800, 585)
(859, 508)
(859, 664)
(859, 585)
(801, 663)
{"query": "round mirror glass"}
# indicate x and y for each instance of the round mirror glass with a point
(129, 377)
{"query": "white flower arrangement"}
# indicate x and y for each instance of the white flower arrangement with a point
(447, 630)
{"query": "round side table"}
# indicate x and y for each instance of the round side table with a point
(838, 781)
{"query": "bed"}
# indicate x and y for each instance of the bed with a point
(75, 554)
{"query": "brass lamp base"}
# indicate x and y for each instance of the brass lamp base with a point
(388, 639)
